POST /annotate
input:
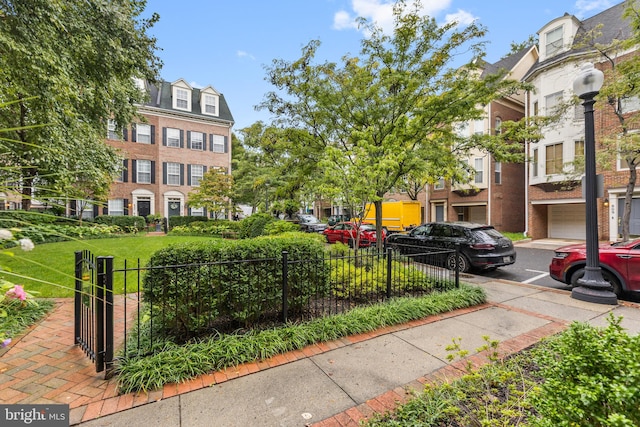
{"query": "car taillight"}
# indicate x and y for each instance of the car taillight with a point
(482, 246)
(561, 255)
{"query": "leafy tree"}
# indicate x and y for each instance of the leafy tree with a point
(70, 65)
(213, 193)
(393, 110)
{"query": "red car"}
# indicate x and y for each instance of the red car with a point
(619, 261)
(346, 232)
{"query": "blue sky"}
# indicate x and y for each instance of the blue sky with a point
(227, 44)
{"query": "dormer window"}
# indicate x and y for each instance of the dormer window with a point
(210, 105)
(209, 101)
(182, 99)
(554, 41)
(181, 94)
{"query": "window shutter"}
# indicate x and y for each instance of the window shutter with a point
(153, 171)
(125, 134)
(189, 138)
(153, 134)
(204, 170)
(72, 207)
(204, 141)
(164, 136)
(181, 138)
(125, 204)
(210, 142)
(134, 171)
(134, 135)
(96, 211)
(188, 174)
(181, 173)
(125, 172)
(164, 173)
(204, 212)
(226, 143)
(189, 211)
(105, 210)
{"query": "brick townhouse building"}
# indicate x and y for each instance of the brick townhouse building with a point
(555, 205)
(185, 132)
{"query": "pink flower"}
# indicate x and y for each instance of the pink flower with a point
(17, 292)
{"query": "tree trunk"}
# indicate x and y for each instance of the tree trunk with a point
(378, 208)
(628, 199)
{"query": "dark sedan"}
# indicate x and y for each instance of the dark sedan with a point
(619, 263)
(482, 247)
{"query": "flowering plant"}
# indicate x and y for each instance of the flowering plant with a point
(12, 295)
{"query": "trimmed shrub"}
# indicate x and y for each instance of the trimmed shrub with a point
(193, 286)
(180, 221)
(128, 224)
(280, 226)
(253, 226)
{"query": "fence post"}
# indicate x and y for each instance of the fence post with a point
(285, 286)
(77, 298)
(108, 317)
(389, 264)
(457, 265)
(99, 313)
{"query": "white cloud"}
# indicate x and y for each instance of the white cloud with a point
(243, 54)
(381, 12)
(586, 8)
(462, 17)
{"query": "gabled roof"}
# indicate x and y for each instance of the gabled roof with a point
(160, 97)
(611, 26)
(506, 63)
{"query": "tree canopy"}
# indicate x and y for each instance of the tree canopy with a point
(391, 112)
(66, 68)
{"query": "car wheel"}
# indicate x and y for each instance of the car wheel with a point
(463, 264)
(613, 281)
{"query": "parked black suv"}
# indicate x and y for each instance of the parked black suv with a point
(482, 247)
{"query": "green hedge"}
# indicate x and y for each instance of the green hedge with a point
(128, 224)
(234, 279)
(180, 221)
(254, 225)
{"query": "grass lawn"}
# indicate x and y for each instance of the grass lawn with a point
(49, 268)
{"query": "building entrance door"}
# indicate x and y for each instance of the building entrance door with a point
(144, 208)
(174, 208)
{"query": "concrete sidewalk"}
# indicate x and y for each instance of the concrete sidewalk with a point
(329, 384)
(358, 376)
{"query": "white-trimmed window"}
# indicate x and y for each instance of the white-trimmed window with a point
(116, 207)
(534, 163)
(182, 99)
(217, 143)
(197, 211)
(478, 127)
(210, 105)
(439, 185)
(196, 140)
(173, 173)
(553, 41)
(143, 133)
(498, 126)
(197, 171)
(553, 159)
(552, 102)
(630, 104)
(112, 132)
(173, 137)
(143, 171)
(497, 171)
(479, 167)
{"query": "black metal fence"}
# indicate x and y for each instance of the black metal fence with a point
(177, 303)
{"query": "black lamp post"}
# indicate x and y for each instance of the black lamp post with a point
(591, 287)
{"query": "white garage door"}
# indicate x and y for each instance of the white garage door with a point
(567, 221)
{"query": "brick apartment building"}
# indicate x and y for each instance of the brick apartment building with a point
(555, 205)
(185, 132)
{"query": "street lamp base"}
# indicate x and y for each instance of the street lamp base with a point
(593, 288)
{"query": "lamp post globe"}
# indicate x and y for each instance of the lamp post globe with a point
(591, 287)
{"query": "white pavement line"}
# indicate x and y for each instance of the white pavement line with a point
(533, 279)
(535, 271)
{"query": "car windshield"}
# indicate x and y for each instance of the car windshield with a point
(367, 227)
(308, 218)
